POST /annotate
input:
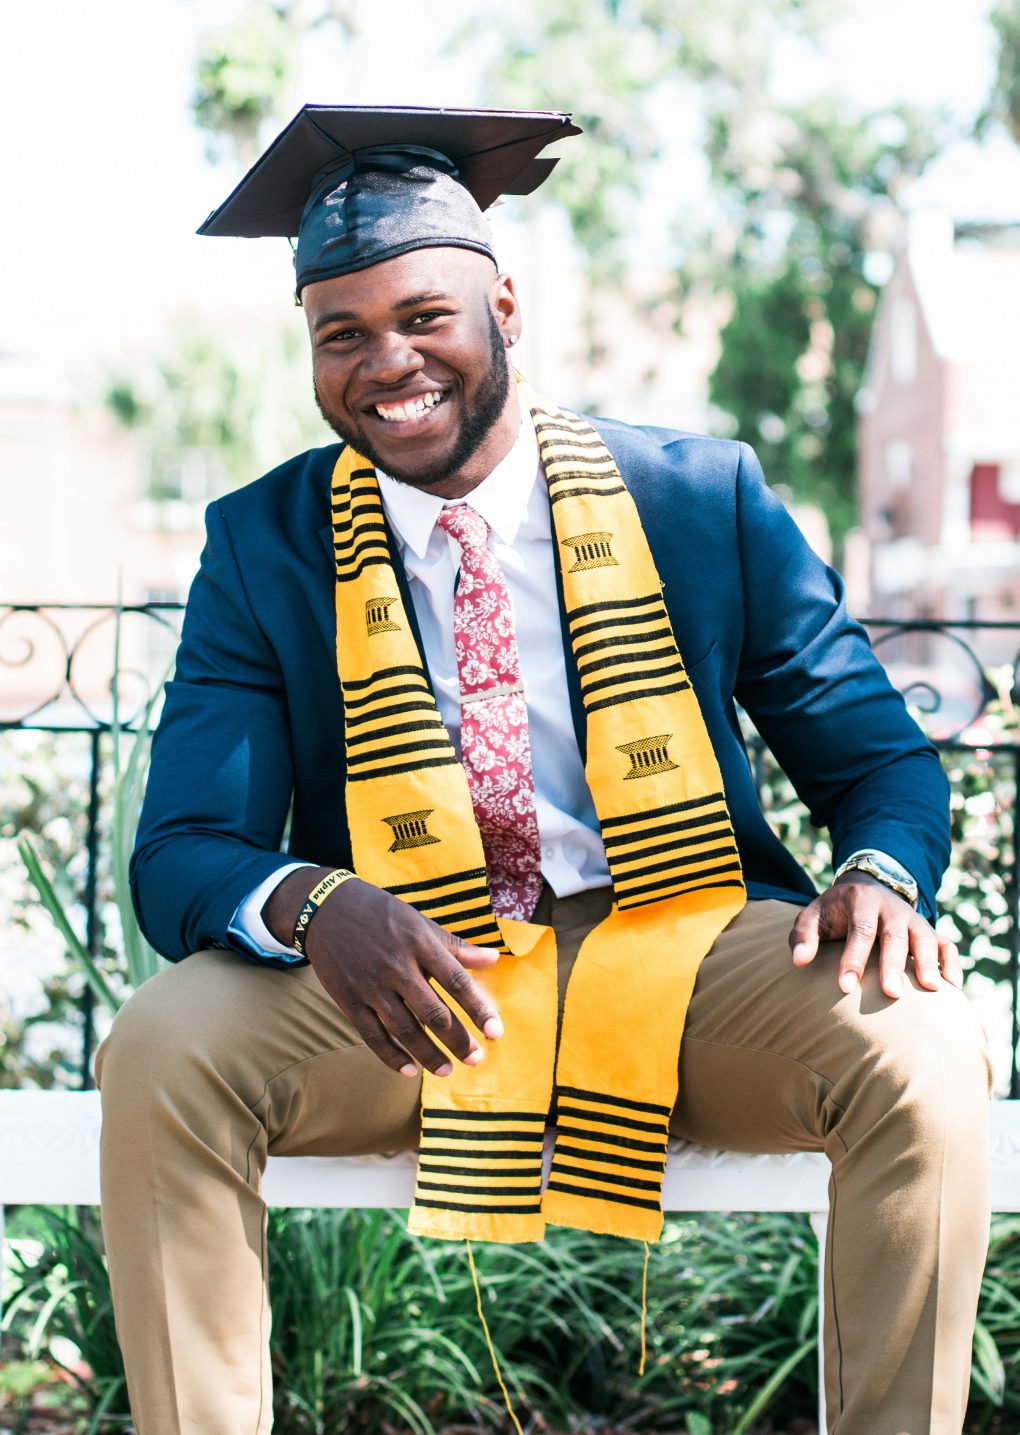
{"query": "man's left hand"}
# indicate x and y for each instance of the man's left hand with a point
(869, 916)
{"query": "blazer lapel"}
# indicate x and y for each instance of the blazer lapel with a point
(577, 713)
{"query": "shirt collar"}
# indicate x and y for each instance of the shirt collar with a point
(501, 498)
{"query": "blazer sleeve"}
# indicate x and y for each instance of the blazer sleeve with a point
(221, 776)
(823, 704)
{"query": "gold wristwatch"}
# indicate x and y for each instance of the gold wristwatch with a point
(884, 869)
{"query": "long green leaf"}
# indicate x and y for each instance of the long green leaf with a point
(772, 1385)
(357, 1364)
(113, 1388)
(52, 1307)
(75, 946)
(140, 959)
(989, 1362)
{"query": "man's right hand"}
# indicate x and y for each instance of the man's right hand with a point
(374, 955)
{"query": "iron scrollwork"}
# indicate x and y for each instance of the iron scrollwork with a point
(942, 677)
(77, 665)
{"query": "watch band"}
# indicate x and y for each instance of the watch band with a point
(884, 869)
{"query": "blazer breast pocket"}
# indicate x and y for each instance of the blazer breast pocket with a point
(709, 653)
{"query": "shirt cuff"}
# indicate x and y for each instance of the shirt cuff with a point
(249, 930)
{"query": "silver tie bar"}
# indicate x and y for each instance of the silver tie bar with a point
(505, 691)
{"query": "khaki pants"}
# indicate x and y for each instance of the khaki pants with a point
(216, 1063)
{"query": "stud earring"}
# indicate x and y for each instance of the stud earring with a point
(512, 340)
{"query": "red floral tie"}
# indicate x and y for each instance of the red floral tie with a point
(495, 749)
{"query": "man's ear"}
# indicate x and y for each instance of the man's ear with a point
(505, 307)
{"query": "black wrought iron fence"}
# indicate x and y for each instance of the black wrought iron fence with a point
(58, 661)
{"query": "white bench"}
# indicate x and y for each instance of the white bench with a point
(49, 1155)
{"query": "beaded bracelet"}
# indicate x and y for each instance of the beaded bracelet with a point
(315, 900)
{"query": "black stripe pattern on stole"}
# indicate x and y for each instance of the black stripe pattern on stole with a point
(609, 1148)
(460, 903)
(481, 1161)
(391, 719)
(625, 650)
(386, 736)
(683, 847)
(579, 460)
(359, 527)
(393, 726)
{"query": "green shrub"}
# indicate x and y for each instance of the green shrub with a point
(374, 1329)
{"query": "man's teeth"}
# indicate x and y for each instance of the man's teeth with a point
(413, 409)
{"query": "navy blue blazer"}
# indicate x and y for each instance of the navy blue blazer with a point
(252, 729)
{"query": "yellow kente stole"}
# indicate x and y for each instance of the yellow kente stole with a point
(670, 847)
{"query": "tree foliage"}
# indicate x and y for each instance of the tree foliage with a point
(619, 65)
(1004, 101)
(800, 194)
(244, 73)
(805, 216)
(215, 412)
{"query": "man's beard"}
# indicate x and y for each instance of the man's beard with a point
(480, 415)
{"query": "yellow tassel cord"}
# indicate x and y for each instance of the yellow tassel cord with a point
(644, 1310)
(488, 1339)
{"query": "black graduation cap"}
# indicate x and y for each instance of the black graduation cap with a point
(357, 185)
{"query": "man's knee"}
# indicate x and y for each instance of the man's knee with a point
(922, 1058)
(925, 1030)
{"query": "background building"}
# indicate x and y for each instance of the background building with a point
(940, 424)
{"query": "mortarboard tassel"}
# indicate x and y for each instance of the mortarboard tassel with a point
(644, 1309)
(488, 1339)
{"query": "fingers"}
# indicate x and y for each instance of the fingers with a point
(378, 1040)
(410, 1026)
(448, 970)
(871, 919)
(924, 948)
(804, 936)
(862, 928)
(398, 1032)
(949, 960)
(422, 1010)
(472, 956)
(935, 958)
(416, 1011)
(384, 963)
(893, 950)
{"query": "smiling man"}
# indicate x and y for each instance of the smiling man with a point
(485, 654)
(450, 426)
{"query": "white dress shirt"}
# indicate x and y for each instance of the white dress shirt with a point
(514, 501)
